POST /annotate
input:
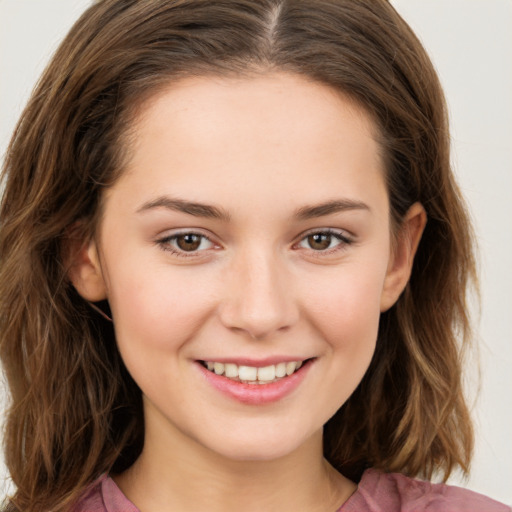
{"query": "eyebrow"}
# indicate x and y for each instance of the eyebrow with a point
(214, 212)
(329, 207)
(189, 207)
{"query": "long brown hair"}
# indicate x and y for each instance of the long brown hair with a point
(75, 411)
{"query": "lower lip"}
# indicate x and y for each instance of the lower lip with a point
(256, 394)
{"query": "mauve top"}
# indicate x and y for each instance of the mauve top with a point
(376, 492)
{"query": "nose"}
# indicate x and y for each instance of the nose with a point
(259, 299)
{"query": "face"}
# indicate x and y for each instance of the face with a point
(245, 252)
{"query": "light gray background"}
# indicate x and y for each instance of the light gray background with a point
(470, 42)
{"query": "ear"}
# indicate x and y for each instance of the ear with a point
(402, 255)
(85, 271)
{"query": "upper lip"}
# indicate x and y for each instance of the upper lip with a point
(257, 363)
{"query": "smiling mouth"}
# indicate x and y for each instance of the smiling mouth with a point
(253, 374)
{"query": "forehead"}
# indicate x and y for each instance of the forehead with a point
(217, 135)
(199, 97)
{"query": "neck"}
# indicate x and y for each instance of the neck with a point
(183, 475)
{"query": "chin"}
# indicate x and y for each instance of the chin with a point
(263, 446)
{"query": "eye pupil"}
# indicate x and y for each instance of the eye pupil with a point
(319, 241)
(188, 242)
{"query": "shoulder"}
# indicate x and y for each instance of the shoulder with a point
(104, 496)
(386, 492)
(92, 500)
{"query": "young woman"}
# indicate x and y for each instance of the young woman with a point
(234, 264)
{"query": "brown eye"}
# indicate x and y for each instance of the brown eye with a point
(320, 241)
(189, 242)
(327, 241)
(186, 244)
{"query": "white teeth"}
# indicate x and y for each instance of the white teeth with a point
(252, 374)
(280, 370)
(290, 368)
(231, 370)
(267, 373)
(247, 373)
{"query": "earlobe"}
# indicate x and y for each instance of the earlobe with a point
(402, 257)
(85, 272)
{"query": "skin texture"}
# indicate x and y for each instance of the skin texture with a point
(262, 151)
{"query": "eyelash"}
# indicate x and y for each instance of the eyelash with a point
(165, 244)
(341, 237)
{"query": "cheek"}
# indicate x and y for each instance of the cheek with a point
(158, 309)
(345, 308)
(343, 311)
